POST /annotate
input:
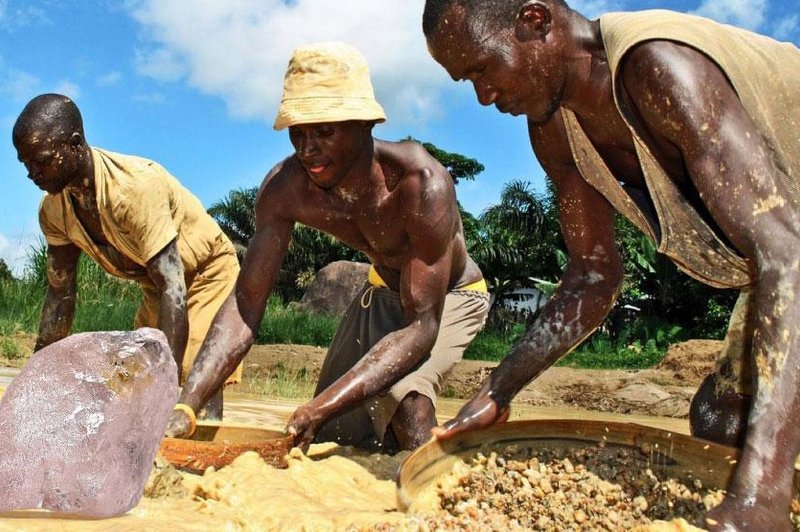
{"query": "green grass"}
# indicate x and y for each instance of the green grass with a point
(282, 381)
(493, 345)
(601, 353)
(282, 325)
(107, 303)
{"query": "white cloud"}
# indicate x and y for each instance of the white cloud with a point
(748, 14)
(153, 98)
(159, 63)
(68, 88)
(20, 15)
(109, 79)
(20, 86)
(239, 49)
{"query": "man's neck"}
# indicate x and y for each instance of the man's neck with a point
(361, 180)
(82, 188)
(588, 84)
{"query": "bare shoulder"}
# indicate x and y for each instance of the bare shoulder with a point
(280, 188)
(418, 173)
(667, 66)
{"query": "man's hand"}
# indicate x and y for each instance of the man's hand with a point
(179, 425)
(303, 426)
(479, 413)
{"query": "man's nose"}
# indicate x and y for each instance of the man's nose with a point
(308, 145)
(486, 92)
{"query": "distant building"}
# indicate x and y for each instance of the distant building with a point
(523, 300)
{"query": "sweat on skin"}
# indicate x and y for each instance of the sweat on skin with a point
(392, 201)
(689, 129)
(131, 217)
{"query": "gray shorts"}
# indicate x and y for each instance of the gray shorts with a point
(374, 313)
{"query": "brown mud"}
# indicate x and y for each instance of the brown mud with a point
(340, 488)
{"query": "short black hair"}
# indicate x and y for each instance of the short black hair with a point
(489, 11)
(434, 10)
(54, 113)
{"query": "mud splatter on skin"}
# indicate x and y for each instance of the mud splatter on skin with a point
(171, 271)
(767, 204)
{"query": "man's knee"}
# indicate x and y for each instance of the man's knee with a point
(719, 415)
(413, 420)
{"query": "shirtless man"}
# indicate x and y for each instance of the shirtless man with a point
(425, 299)
(130, 216)
(690, 129)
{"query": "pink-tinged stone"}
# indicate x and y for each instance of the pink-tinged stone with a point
(81, 424)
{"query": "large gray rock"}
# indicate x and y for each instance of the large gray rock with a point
(81, 424)
(334, 287)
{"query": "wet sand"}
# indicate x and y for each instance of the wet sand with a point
(252, 496)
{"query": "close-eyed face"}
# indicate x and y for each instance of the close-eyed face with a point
(517, 77)
(328, 151)
(52, 163)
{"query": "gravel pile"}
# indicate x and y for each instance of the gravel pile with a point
(596, 488)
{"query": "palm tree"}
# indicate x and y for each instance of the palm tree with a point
(236, 216)
(518, 238)
(308, 251)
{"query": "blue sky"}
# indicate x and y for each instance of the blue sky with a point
(194, 84)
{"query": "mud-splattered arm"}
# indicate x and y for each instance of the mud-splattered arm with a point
(235, 326)
(165, 269)
(585, 294)
(682, 99)
(58, 308)
(429, 222)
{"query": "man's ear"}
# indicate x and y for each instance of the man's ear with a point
(75, 140)
(534, 19)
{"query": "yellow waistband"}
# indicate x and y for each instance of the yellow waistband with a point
(478, 286)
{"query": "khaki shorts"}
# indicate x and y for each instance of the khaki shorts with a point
(206, 290)
(374, 313)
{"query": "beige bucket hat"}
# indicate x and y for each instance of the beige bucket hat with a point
(327, 82)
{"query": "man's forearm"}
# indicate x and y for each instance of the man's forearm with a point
(58, 311)
(224, 347)
(568, 319)
(389, 360)
(174, 322)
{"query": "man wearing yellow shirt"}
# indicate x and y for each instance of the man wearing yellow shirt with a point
(134, 219)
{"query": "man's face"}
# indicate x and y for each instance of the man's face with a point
(327, 151)
(518, 78)
(52, 163)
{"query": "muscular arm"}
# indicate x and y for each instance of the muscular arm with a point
(681, 98)
(586, 291)
(234, 327)
(58, 309)
(424, 279)
(166, 272)
(584, 295)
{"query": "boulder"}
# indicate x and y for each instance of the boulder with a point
(334, 287)
(81, 423)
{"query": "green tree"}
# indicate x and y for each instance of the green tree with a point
(459, 166)
(309, 249)
(236, 215)
(519, 238)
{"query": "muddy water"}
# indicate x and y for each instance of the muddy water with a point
(331, 489)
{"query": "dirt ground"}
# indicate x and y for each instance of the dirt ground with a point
(291, 371)
(665, 390)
